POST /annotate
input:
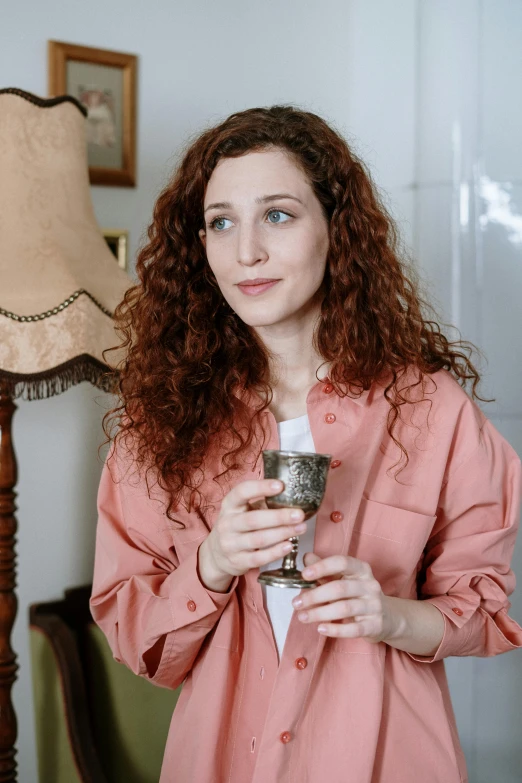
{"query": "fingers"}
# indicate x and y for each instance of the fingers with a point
(339, 565)
(262, 519)
(345, 607)
(367, 628)
(244, 560)
(249, 492)
(342, 610)
(247, 511)
(258, 504)
(310, 558)
(264, 556)
(263, 538)
(247, 534)
(335, 590)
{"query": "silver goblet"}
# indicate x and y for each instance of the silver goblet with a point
(304, 478)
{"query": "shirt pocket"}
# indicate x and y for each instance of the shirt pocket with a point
(392, 541)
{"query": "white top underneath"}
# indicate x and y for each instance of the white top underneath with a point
(294, 435)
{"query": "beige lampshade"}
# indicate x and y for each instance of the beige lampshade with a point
(59, 282)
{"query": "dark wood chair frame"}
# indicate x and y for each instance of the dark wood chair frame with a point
(64, 623)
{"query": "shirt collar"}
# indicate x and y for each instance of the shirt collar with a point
(363, 400)
(252, 399)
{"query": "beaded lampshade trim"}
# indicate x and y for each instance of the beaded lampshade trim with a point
(56, 310)
(44, 103)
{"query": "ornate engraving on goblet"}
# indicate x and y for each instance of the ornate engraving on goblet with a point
(304, 478)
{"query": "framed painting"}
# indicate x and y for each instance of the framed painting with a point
(105, 83)
(117, 241)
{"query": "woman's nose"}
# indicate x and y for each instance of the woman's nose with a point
(250, 248)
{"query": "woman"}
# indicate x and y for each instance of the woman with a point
(344, 681)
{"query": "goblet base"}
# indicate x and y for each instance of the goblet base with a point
(285, 577)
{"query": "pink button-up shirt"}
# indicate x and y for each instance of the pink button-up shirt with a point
(341, 710)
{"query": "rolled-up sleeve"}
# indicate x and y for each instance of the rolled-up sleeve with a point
(466, 571)
(154, 610)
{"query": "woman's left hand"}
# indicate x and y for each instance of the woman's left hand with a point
(348, 602)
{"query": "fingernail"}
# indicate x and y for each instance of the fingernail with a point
(303, 616)
(321, 628)
(297, 602)
(275, 485)
(308, 572)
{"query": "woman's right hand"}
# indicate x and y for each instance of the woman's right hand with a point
(243, 538)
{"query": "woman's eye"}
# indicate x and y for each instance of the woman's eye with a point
(277, 212)
(214, 223)
(218, 223)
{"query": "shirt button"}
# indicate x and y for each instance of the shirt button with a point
(335, 463)
(328, 388)
(337, 516)
(285, 736)
(329, 418)
(458, 611)
(191, 606)
(301, 663)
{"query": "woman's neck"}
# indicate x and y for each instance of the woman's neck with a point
(294, 364)
(291, 391)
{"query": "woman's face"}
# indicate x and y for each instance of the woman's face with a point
(252, 231)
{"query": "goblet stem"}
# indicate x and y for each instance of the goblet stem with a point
(289, 560)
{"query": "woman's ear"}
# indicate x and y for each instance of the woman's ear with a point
(203, 236)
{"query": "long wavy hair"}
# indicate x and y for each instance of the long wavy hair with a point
(187, 351)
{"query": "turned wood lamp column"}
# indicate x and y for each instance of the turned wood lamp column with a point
(8, 600)
(59, 287)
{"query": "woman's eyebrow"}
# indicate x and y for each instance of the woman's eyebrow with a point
(259, 200)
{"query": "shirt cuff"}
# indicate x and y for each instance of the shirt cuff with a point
(470, 630)
(190, 601)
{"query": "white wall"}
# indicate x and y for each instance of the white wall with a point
(356, 63)
(469, 242)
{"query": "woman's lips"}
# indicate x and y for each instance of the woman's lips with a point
(255, 290)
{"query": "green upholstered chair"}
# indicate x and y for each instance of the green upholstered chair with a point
(96, 721)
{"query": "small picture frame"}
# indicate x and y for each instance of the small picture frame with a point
(118, 241)
(105, 83)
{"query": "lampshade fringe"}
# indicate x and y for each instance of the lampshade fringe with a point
(59, 379)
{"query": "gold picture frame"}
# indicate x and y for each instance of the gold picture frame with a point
(118, 242)
(105, 83)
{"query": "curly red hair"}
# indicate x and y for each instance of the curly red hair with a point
(187, 350)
